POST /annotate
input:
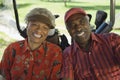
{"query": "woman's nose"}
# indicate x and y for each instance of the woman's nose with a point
(38, 29)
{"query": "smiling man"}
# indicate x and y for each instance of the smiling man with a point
(33, 58)
(91, 56)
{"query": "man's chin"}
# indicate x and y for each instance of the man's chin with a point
(80, 40)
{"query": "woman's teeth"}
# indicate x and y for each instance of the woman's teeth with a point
(37, 35)
(80, 34)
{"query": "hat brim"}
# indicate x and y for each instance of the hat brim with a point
(73, 11)
(42, 19)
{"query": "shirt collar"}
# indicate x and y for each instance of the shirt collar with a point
(27, 48)
(95, 37)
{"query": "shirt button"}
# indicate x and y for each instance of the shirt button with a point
(97, 74)
(89, 53)
(94, 65)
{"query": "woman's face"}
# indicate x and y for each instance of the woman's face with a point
(37, 31)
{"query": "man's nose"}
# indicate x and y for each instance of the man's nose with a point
(78, 27)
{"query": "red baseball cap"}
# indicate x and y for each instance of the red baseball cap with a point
(72, 11)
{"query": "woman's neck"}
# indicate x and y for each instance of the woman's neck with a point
(34, 45)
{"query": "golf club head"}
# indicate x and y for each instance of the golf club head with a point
(100, 18)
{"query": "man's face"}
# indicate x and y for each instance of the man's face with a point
(78, 27)
(37, 31)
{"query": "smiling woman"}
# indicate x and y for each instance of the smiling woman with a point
(33, 58)
(37, 33)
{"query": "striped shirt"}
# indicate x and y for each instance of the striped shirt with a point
(100, 62)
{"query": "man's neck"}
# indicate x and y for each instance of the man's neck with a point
(86, 45)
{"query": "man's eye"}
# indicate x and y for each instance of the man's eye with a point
(82, 22)
(73, 25)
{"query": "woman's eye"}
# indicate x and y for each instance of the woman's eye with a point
(73, 25)
(46, 27)
(33, 24)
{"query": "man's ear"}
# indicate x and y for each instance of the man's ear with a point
(67, 27)
(27, 26)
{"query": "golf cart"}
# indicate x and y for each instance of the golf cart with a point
(104, 27)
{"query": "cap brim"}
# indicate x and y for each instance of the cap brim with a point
(73, 11)
(42, 19)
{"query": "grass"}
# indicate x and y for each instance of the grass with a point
(5, 40)
(58, 7)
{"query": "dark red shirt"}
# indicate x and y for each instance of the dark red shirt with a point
(20, 63)
(100, 62)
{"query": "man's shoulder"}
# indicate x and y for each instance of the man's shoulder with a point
(67, 50)
(109, 35)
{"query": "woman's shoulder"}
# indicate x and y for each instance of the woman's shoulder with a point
(17, 43)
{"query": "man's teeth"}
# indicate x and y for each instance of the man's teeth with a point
(38, 36)
(81, 34)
